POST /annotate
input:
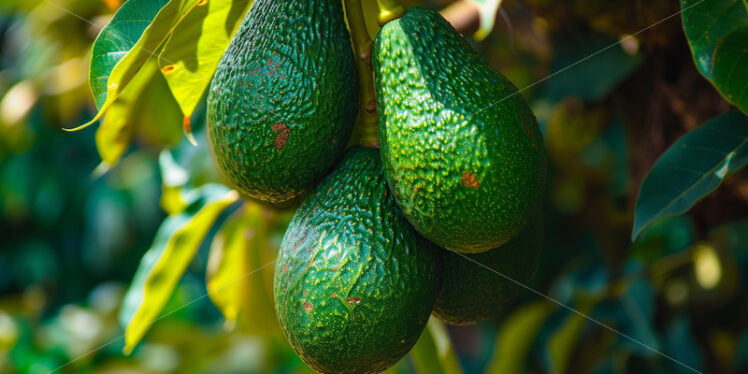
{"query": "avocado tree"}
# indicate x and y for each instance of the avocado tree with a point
(462, 156)
(366, 175)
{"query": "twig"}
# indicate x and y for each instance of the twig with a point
(362, 46)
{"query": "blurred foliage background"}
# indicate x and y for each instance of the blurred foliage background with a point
(72, 234)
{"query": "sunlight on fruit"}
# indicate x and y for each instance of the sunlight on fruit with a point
(707, 266)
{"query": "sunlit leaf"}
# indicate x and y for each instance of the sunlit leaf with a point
(488, 11)
(192, 53)
(433, 353)
(717, 31)
(134, 35)
(176, 242)
(158, 120)
(115, 132)
(516, 336)
(146, 109)
(692, 168)
(116, 39)
(239, 270)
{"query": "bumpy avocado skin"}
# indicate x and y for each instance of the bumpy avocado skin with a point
(283, 101)
(470, 293)
(461, 148)
(354, 282)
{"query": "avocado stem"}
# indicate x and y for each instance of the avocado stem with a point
(362, 47)
(389, 10)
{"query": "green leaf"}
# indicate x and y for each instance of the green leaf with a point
(176, 242)
(116, 39)
(692, 168)
(516, 336)
(192, 53)
(433, 353)
(132, 37)
(240, 276)
(717, 31)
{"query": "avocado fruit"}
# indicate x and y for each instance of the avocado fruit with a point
(284, 98)
(354, 283)
(461, 148)
(471, 288)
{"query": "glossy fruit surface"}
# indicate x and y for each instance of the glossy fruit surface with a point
(283, 101)
(461, 148)
(354, 283)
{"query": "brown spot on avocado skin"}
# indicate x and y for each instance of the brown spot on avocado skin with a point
(308, 306)
(275, 70)
(283, 131)
(353, 299)
(469, 180)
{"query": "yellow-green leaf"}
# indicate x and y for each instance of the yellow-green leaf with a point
(158, 120)
(192, 53)
(240, 273)
(113, 135)
(515, 337)
(488, 10)
(176, 243)
(433, 353)
(447, 355)
(115, 132)
(126, 43)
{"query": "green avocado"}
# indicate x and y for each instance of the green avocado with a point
(461, 148)
(283, 101)
(471, 293)
(354, 282)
